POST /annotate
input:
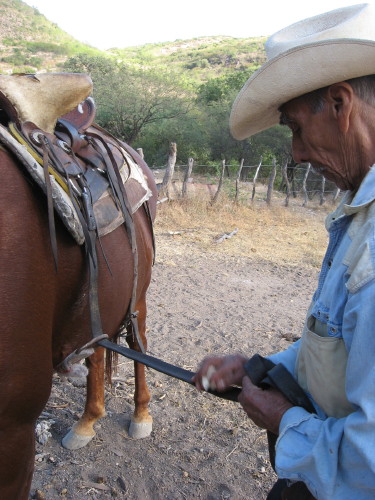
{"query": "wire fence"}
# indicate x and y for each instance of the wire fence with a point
(298, 181)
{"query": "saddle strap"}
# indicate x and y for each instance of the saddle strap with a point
(265, 374)
(51, 215)
(118, 187)
(139, 161)
(166, 368)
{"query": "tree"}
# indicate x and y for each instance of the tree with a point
(95, 66)
(221, 88)
(129, 98)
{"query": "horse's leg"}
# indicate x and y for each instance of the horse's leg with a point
(141, 422)
(83, 431)
(25, 380)
(17, 438)
(17, 467)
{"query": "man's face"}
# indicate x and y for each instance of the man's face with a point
(318, 140)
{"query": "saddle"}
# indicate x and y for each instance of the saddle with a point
(52, 113)
(92, 180)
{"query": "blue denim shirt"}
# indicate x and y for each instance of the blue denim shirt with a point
(335, 457)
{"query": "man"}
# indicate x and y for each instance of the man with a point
(320, 82)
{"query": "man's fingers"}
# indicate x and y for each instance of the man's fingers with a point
(202, 378)
(206, 379)
(220, 372)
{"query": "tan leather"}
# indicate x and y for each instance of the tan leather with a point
(44, 97)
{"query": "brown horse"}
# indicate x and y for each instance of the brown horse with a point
(45, 316)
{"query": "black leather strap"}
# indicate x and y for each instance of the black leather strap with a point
(265, 374)
(164, 367)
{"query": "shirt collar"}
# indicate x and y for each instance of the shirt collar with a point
(355, 202)
(363, 197)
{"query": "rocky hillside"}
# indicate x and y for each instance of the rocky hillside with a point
(29, 43)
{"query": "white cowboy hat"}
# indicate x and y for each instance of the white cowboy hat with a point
(303, 57)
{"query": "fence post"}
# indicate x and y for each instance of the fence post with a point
(271, 182)
(335, 195)
(188, 171)
(238, 181)
(167, 179)
(216, 195)
(255, 178)
(140, 152)
(304, 185)
(322, 199)
(293, 165)
(287, 183)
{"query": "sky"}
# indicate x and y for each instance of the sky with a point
(105, 24)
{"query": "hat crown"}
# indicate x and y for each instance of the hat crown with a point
(355, 22)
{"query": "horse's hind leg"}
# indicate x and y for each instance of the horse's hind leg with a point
(141, 422)
(25, 383)
(83, 431)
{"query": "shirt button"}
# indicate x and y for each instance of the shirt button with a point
(330, 263)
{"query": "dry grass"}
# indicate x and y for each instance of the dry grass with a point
(283, 235)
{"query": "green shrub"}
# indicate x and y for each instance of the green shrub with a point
(8, 42)
(47, 47)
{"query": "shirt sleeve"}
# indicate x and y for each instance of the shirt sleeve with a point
(335, 457)
(288, 357)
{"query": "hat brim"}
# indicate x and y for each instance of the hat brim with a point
(294, 73)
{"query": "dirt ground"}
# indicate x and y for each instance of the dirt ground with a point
(204, 298)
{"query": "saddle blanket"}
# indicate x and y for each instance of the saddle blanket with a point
(108, 216)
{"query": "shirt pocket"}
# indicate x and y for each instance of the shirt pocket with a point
(321, 368)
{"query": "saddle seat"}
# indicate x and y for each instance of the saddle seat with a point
(43, 98)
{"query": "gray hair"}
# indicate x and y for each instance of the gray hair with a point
(363, 87)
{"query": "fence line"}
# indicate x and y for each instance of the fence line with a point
(293, 181)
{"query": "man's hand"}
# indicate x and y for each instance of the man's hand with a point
(220, 372)
(264, 407)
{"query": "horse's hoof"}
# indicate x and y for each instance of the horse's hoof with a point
(138, 430)
(74, 441)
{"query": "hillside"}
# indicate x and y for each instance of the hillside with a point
(29, 43)
(201, 58)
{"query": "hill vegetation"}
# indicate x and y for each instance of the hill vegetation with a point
(29, 42)
(201, 58)
(153, 94)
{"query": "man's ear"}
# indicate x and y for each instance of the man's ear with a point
(341, 98)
